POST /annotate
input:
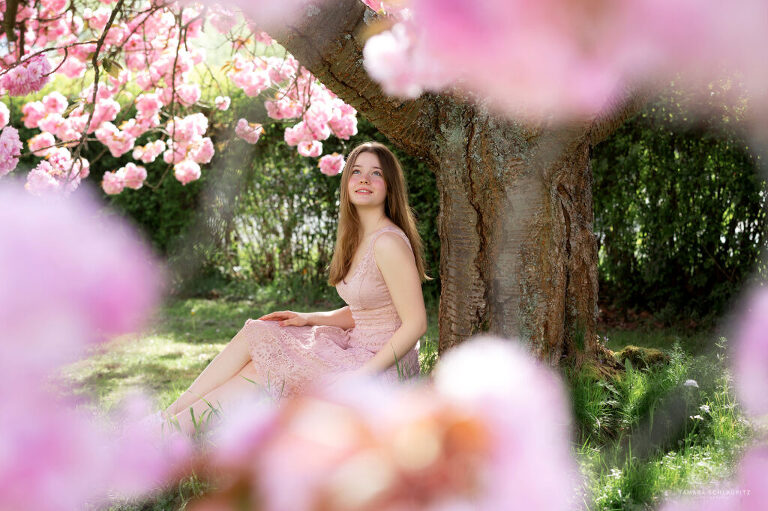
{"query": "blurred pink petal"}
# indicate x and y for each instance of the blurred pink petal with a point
(367, 444)
(562, 58)
(67, 268)
(750, 360)
(58, 458)
(526, 405)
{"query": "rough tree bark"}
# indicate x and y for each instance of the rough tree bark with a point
(518, 255)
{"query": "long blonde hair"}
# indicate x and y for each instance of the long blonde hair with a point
(396, 208)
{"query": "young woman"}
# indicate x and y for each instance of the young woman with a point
(377, 269)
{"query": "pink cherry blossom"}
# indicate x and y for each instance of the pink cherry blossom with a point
(187, 128)
(222, 102)
(331, 164)
(250, 132)
(89, 273)
(132, 175)
(282, 69)
(5, 115)
(263, 38)
(147, 105)
(175, 152)
(105, 110)
(750, 359)
(29, 76)
(201, 151)
(55, 102)
(33, 112)
(73, 68)
(53, 445)
(373, 4)
(188, 94)
(10, 149)
(186, 171)
(297, 133)
(112, 183)
(41, 181)
(57, 173)
(118, 142)
(267, 14)
(41, 144)
(566, 59)
(222, 18)
(310, 148)
(392, 59)
(149, 152)
(50, 123)
(284, 108)
(97, 19)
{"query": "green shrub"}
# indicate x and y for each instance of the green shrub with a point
(680, 213)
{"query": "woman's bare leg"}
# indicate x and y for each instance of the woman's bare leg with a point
(223, 398)
(228, 363)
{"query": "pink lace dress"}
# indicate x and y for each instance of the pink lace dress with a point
(289, 358)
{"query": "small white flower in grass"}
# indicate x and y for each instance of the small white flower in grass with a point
(691, 383)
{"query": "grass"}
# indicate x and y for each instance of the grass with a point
(183, 338)
(646, 434)
(637, 437)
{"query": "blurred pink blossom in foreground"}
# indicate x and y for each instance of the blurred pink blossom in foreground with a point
(565, 58)
(481, 437)
(750, 365)
(70, 275)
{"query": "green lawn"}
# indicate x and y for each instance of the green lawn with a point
(637, 436)
(181, 341)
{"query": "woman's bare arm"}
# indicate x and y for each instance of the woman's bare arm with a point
(341, 318)
(398, 267)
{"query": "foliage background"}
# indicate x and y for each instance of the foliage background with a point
(680, 211)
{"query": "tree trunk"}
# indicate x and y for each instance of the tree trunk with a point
(519, 258)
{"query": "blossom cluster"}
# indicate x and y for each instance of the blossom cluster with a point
(30, 75)
(148, 46)
(297, 94)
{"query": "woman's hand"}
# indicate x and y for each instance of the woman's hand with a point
(287, 318)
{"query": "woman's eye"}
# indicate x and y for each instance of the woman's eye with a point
(377, 172)
(355, 171)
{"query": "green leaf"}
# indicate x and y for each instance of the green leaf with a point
(111, 67)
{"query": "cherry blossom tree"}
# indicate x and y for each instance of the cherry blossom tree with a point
(146, 45)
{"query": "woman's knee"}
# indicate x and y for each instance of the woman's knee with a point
(250, 327)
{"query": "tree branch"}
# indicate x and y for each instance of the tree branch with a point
(602, 126)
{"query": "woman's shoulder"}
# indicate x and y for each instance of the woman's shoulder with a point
(391, 242)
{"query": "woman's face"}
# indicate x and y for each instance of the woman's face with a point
(366, 184)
